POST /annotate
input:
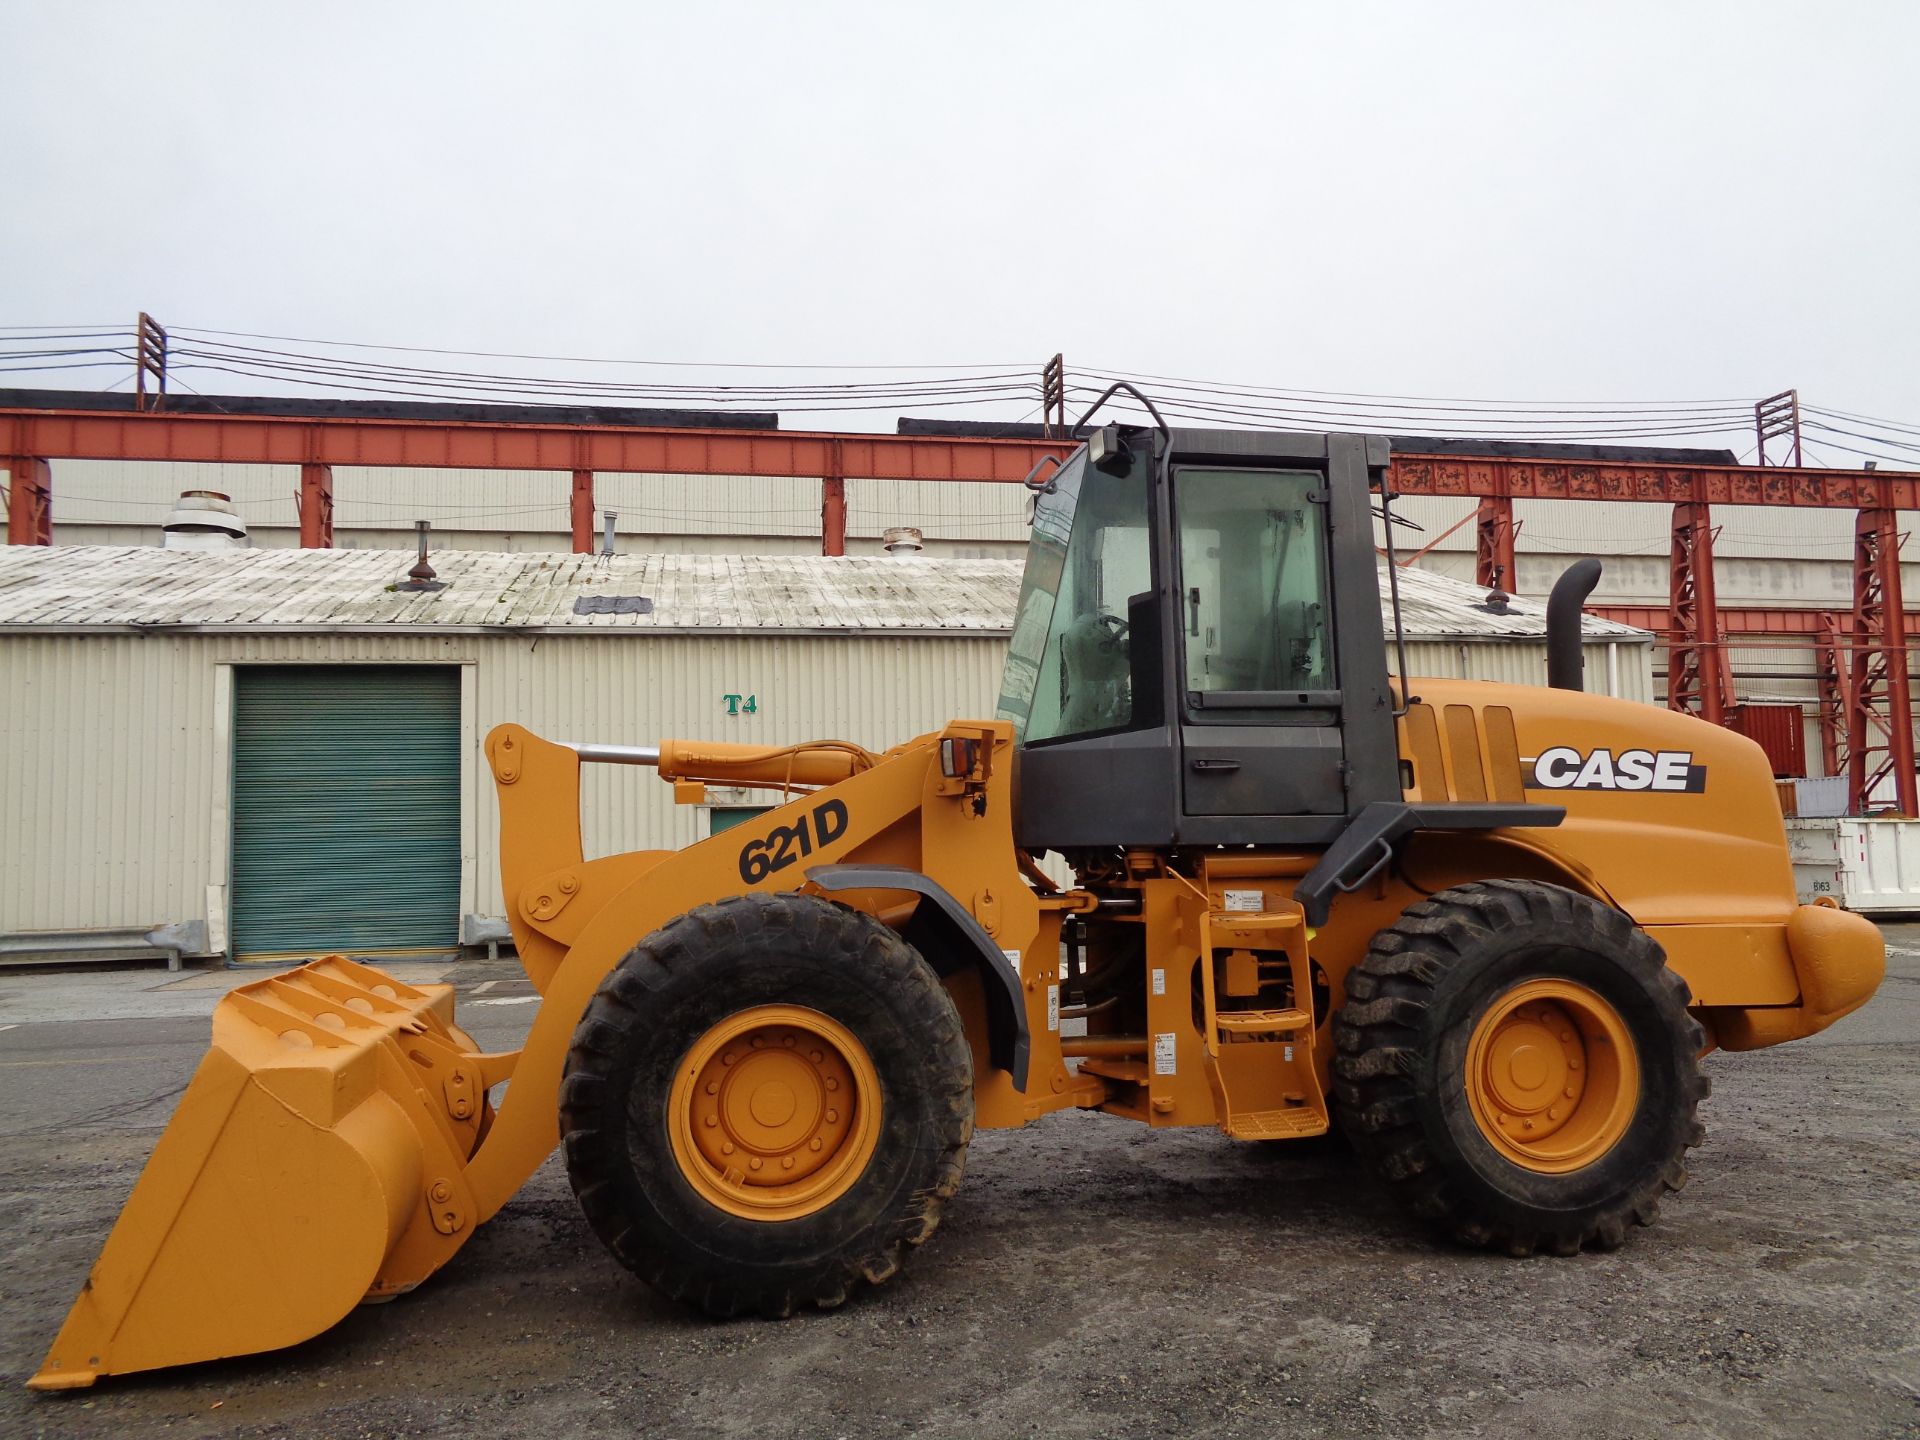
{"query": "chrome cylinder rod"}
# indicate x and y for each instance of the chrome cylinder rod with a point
(615, 754)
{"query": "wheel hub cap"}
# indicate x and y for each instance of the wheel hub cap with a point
(774, 1112)
(1552, 1076)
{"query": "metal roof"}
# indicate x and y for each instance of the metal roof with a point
(85, 587)
(1439, 607)
(144, 587)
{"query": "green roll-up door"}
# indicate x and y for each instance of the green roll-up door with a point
(346, 810)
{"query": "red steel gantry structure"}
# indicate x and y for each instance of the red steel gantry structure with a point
(1863, 660)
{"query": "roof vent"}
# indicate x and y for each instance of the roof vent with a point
(421, 576)
(204, 520)
(902, 540)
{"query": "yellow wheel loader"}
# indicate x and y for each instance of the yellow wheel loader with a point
(1488, 930)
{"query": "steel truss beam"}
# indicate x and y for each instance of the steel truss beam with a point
(1879, 702)
(1698, 680)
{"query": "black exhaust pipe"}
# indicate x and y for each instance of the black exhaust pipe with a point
(1566, 659)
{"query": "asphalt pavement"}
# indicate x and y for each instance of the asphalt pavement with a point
(1092, 1278)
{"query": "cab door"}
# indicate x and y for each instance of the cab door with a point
(1260, 696)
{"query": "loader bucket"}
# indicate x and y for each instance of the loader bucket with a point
(316, 1161)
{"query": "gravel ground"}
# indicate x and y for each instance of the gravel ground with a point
(1096, 1279)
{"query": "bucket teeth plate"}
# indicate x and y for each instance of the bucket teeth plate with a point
(316, 1160)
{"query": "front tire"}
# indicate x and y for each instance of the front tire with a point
(767, 1102)
(1517, 1063)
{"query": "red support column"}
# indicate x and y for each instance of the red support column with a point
(1832, 671)
(1879, 700)
(29, 502)
(1493, 544)
(582, 507)
(833, 506)
(316, 507)
(1698, 679)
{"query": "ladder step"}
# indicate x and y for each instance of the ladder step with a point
(1250, 920)
(1133, 1070)
(1290, 1124)
(1262, 1022)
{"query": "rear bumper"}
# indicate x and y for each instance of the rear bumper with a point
(1840, 960)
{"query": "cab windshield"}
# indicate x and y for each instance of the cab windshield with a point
(1069, 664)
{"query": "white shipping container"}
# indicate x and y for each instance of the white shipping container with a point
(1872, 866)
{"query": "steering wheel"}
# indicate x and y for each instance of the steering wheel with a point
(1116, 629)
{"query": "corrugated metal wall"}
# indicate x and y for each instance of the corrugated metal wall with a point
(112, 774)
(136, 496)
(1773, 555)
(1526, 664)
(113, 784)
(1763, 555)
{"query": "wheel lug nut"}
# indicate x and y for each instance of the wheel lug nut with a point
(755, 1042)
(1568, 1092)
(832, 1084)
(833, 1117)
(814, 1144)
(815, 1056)
(713, 1087)
(728, 1058)
(788, 1042)
(712, 1120)
(727, 1149)
(786, 1163)
(1526, 1124)
(755, 1163)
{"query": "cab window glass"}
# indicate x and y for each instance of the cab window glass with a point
(1070, 662)
(1254, 584)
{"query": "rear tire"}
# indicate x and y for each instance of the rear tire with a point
(1517, 1064)
(731, 1038)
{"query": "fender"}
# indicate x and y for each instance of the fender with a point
(946, 933)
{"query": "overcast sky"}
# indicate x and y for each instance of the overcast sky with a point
(1659, 201)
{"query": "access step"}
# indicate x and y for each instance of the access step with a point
(1293, 1123)
(1252, 923)
(1133, 1071)
(1262, 1022)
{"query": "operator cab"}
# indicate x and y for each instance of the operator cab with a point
(1198, 655)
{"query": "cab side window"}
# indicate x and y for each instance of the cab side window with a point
(1254, 602)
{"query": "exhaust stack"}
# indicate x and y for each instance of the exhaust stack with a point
(1565, 657)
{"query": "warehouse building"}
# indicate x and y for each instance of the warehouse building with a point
(267, 753)
(1764, 556)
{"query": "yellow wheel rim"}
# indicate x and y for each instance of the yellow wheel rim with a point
(1552, 1077)
(775, 1112)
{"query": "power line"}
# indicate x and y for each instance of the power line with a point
(108, 328)
(894, 387)
(575, 359)
(1743, 401)
(238, 354)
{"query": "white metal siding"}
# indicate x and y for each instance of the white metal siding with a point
(112, 770)
(485, 505)
(113, 746)
(1526, 664)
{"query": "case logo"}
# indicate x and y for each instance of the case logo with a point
(1564, 768)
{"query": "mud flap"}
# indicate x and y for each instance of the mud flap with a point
(316, 1160)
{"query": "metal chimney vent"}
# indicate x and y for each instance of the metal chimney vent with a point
(902, 540)
(204, 520)
(421, 576)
